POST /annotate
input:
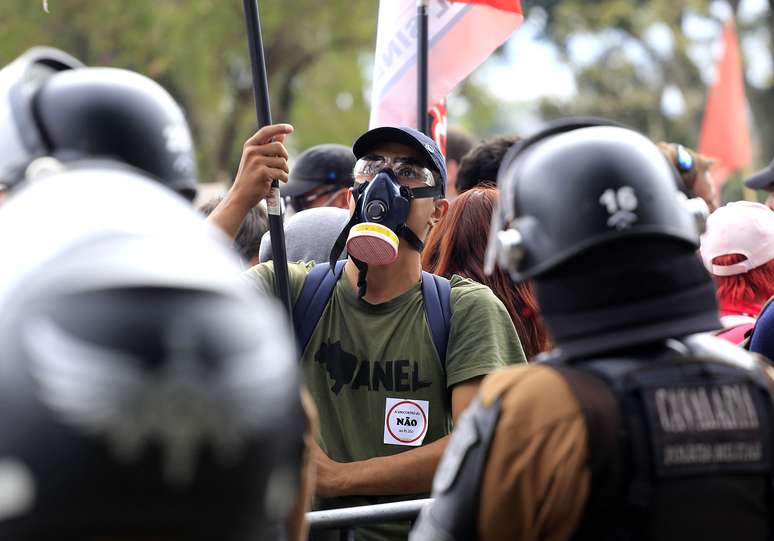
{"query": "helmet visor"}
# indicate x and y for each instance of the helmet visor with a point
(410, 173)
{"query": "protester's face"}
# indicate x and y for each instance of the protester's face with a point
(424, 212)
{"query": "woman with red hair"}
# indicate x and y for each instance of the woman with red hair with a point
(457, 246)
(738, 250)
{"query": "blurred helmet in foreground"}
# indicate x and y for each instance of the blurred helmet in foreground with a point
(145, 392)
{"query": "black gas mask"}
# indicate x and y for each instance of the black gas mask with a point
(373, 233)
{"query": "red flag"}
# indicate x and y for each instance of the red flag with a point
(505, 5)
(725, 135)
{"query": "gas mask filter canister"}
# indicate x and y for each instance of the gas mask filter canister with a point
(373, 233)
(382, 212)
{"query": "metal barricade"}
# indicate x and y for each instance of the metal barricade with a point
(347, 518)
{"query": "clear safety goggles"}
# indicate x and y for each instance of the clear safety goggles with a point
(408, 171)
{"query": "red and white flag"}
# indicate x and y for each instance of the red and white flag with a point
(461, 37)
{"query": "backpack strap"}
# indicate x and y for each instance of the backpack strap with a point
(436, 291)
(315, 294)
(320, 283)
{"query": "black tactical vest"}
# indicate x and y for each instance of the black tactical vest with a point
(688, 453)
(680, 445)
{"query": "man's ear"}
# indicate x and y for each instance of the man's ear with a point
(439, 211)
(350, 199)
(340, 199)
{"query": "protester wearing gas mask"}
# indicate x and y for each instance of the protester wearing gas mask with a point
(391, 355)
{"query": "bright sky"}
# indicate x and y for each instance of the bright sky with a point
(532, 68)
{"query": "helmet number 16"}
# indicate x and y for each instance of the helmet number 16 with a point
(620, 204)
(622, 199)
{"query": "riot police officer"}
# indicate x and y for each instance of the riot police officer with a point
(56, 113)
(636, 426)
(146, 393)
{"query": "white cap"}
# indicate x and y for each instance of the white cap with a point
(744, 228)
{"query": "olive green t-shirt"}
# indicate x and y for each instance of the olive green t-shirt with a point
(377, 379)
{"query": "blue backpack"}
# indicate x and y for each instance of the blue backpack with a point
(318, 288)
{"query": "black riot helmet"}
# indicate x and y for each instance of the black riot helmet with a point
(322, 165)
(139, 401)
(581, 183)
(593, 213)
(60, 109)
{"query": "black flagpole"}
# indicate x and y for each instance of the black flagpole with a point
(263, 114)
(423, 120)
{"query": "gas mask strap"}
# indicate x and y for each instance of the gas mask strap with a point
(361, 277)
(411, 238)
(341, 241)
(421, 193)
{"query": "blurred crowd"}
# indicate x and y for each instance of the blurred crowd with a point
(559, 336)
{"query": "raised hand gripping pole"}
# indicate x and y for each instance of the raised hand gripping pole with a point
(263, 114)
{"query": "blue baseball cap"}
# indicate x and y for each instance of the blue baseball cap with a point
(404, 136)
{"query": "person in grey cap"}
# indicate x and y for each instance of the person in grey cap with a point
(763, 180)
(309, 235)
(320, 178)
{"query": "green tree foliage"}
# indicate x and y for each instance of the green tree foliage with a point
(319, 52)
(629, 76)
(198, 50)
(762, 99)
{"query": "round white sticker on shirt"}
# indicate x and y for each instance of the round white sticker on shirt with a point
(405, 421)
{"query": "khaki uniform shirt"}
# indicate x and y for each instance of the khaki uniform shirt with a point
(536, 480)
